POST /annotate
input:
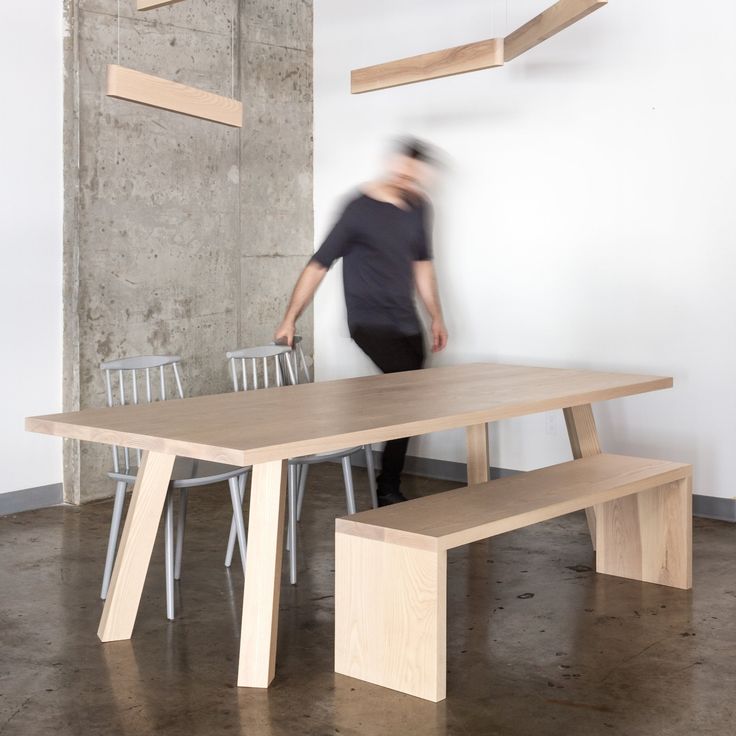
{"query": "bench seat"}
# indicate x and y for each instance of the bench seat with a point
(391, 563)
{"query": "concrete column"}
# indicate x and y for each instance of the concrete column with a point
(276, 207)
(164, 251)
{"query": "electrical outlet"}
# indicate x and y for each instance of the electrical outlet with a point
(550, 423)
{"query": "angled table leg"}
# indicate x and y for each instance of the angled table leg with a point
(136, 545)
(478, 463)
(584, 442)
(262, 575)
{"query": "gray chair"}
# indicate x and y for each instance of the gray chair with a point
(290, 366)
(143, 379)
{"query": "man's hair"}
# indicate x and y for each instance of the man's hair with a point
(416, 149)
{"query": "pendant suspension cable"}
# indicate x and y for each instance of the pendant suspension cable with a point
(232, 50)
(118, 32)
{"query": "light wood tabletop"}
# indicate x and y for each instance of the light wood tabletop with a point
(266, 427)
(277, 423)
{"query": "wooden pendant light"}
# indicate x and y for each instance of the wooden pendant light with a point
(549, 22)
(473, 56)
(129, 84)
(458, 60)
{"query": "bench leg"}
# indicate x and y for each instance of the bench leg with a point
(648, 536)
(390, 615)
(584, 442)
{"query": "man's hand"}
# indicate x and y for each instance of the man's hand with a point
(426, 285)
(306, 285)
(285, 333)
(439, 336)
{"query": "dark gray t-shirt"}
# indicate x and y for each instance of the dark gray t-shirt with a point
(379, 244)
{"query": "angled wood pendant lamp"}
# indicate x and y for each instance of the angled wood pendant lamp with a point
(473, 56)
(146, 89)
(458, 60)
(548, 23)
(134, 86)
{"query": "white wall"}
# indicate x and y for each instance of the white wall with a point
(588, 219)
(31, 201)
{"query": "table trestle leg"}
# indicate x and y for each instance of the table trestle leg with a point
(136, 546)
(262, 575)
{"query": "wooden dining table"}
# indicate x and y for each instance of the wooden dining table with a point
(266, 427)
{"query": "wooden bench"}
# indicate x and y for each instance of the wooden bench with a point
(391, 563)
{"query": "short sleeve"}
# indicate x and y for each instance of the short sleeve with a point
(423, 245)
(335, 244)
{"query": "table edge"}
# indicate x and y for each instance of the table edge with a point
(239, 457)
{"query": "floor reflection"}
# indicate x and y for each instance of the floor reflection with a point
(537, 642)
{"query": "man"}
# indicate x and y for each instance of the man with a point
(383, 238)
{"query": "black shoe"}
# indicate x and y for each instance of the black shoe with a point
(391, 497)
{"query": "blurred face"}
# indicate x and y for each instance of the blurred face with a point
(408, 176)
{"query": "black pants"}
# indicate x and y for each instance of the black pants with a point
(392, 353)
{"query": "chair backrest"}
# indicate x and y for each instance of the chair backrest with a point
(253, 368)
(130, 381)
(301, 369)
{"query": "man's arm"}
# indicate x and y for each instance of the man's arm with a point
(426, 285)
(311, 277)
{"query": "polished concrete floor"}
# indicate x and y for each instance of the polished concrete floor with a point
(538, 644)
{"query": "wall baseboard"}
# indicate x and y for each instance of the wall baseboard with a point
(30, 499)
(708, 507)
(714, 507)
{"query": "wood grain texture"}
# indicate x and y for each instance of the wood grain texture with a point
(136, 545)
(261, 590)
(133, 86)
(582, 431)
(273, 424)
(465, 515)
(469, 57)
(478, 463)
(152, 4)
(584, 442)
(648, 536)
(548, 23)
(390, 615)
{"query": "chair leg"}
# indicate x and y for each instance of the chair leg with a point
(302, 490)
(292, 489)
(238, 517)
(169, 553)
(370, 467)
(183, 498)
(242, 480)
(112, 542)
(231, 543)
(292, 477)
(347, 474)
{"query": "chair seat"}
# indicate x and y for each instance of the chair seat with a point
(187, 473)
(323, 457)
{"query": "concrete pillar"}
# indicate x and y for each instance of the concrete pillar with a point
(182, 236)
